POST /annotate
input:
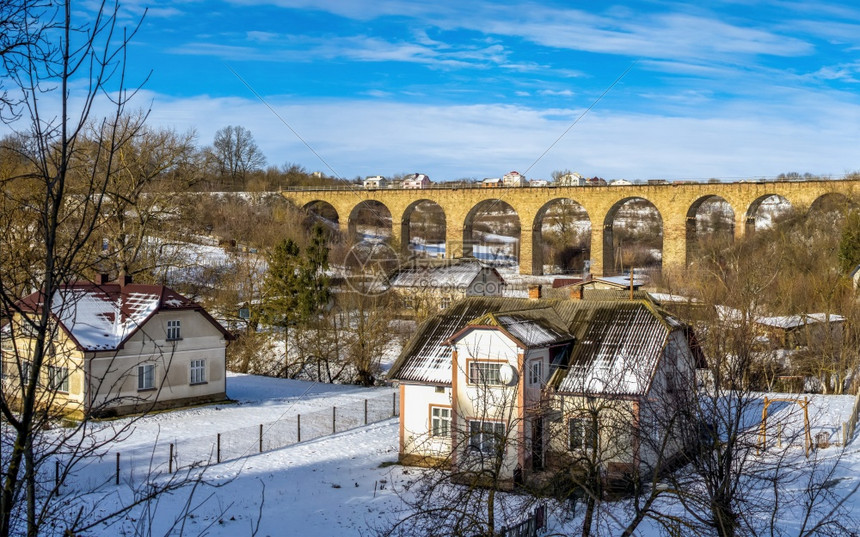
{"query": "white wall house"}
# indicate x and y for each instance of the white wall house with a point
(509, 381)
(416, 181)
(375, 181)
(514, 179)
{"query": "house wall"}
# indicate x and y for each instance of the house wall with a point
(114, 375)
(60, 352)
(418, 446)
(498, 404)
(633, 431)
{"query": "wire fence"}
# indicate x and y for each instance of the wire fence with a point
(178, 455)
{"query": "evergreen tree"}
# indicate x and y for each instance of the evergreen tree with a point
(296, 288)
(849, 245)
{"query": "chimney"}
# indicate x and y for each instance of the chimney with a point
(577, 292)
(535, 292)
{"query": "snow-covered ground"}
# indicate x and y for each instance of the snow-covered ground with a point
(337, 485)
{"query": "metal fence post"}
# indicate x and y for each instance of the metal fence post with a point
(299, 427)
(117, 468)
(365, 411)
(333, 419)
(170, 461)
(261, 438)
(218, 449)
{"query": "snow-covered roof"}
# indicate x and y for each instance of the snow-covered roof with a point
(794, 321)
(102, 317)
(536, 327)
(457, 275)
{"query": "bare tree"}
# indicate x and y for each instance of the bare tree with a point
(236, 154)
(52, 205)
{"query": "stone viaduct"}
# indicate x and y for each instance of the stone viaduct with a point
(676, 203)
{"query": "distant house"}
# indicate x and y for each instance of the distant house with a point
(571, 179)
(514, 179)
(416, 181)
(595, 181)
(538, 182)
(491, 182)
(375, 181)
(517, 381)
(427, 285)
(620, 182)
(793, 331)
(118, 348)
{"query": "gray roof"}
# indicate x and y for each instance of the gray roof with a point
(616, 343)
(457, 274)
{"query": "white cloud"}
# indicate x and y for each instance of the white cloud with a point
(450, 142)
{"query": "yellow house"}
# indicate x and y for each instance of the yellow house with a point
(118, 348)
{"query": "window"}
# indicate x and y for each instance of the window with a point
(173, 330)
(440, 421)
(198, 371)
(146, 377)
(484, 373)
(583, 433)
(26, 371)
(486, 436)
(536, 373)
(58, 378)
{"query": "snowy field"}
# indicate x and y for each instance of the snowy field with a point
(336, 485)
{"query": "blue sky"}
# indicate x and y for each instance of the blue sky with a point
(475, 89)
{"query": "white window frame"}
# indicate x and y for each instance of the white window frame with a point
(197, 371)
(536, 373)
(584, 437)
(440, 421)
(58, 378)
(484, 435)
(174, 330)
(145, 377)
(485, 373)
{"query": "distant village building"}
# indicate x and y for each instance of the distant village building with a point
(429, 285)
(118, 348)
(375, 181)
(513, 179)
(538, 182)
(595, 181)
(571, 179)
(416, 181)
(491, 182)
(620, 182)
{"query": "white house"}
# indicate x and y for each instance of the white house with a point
(520, 379)
(118, 347)
(571, 179)
(416, 181)
(620, 182)
(514, 179)
(375, 181)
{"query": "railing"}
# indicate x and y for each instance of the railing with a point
(849, 427)
(529, 527)
(168, 455)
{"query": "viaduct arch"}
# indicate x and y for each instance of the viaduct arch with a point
(676, 203)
